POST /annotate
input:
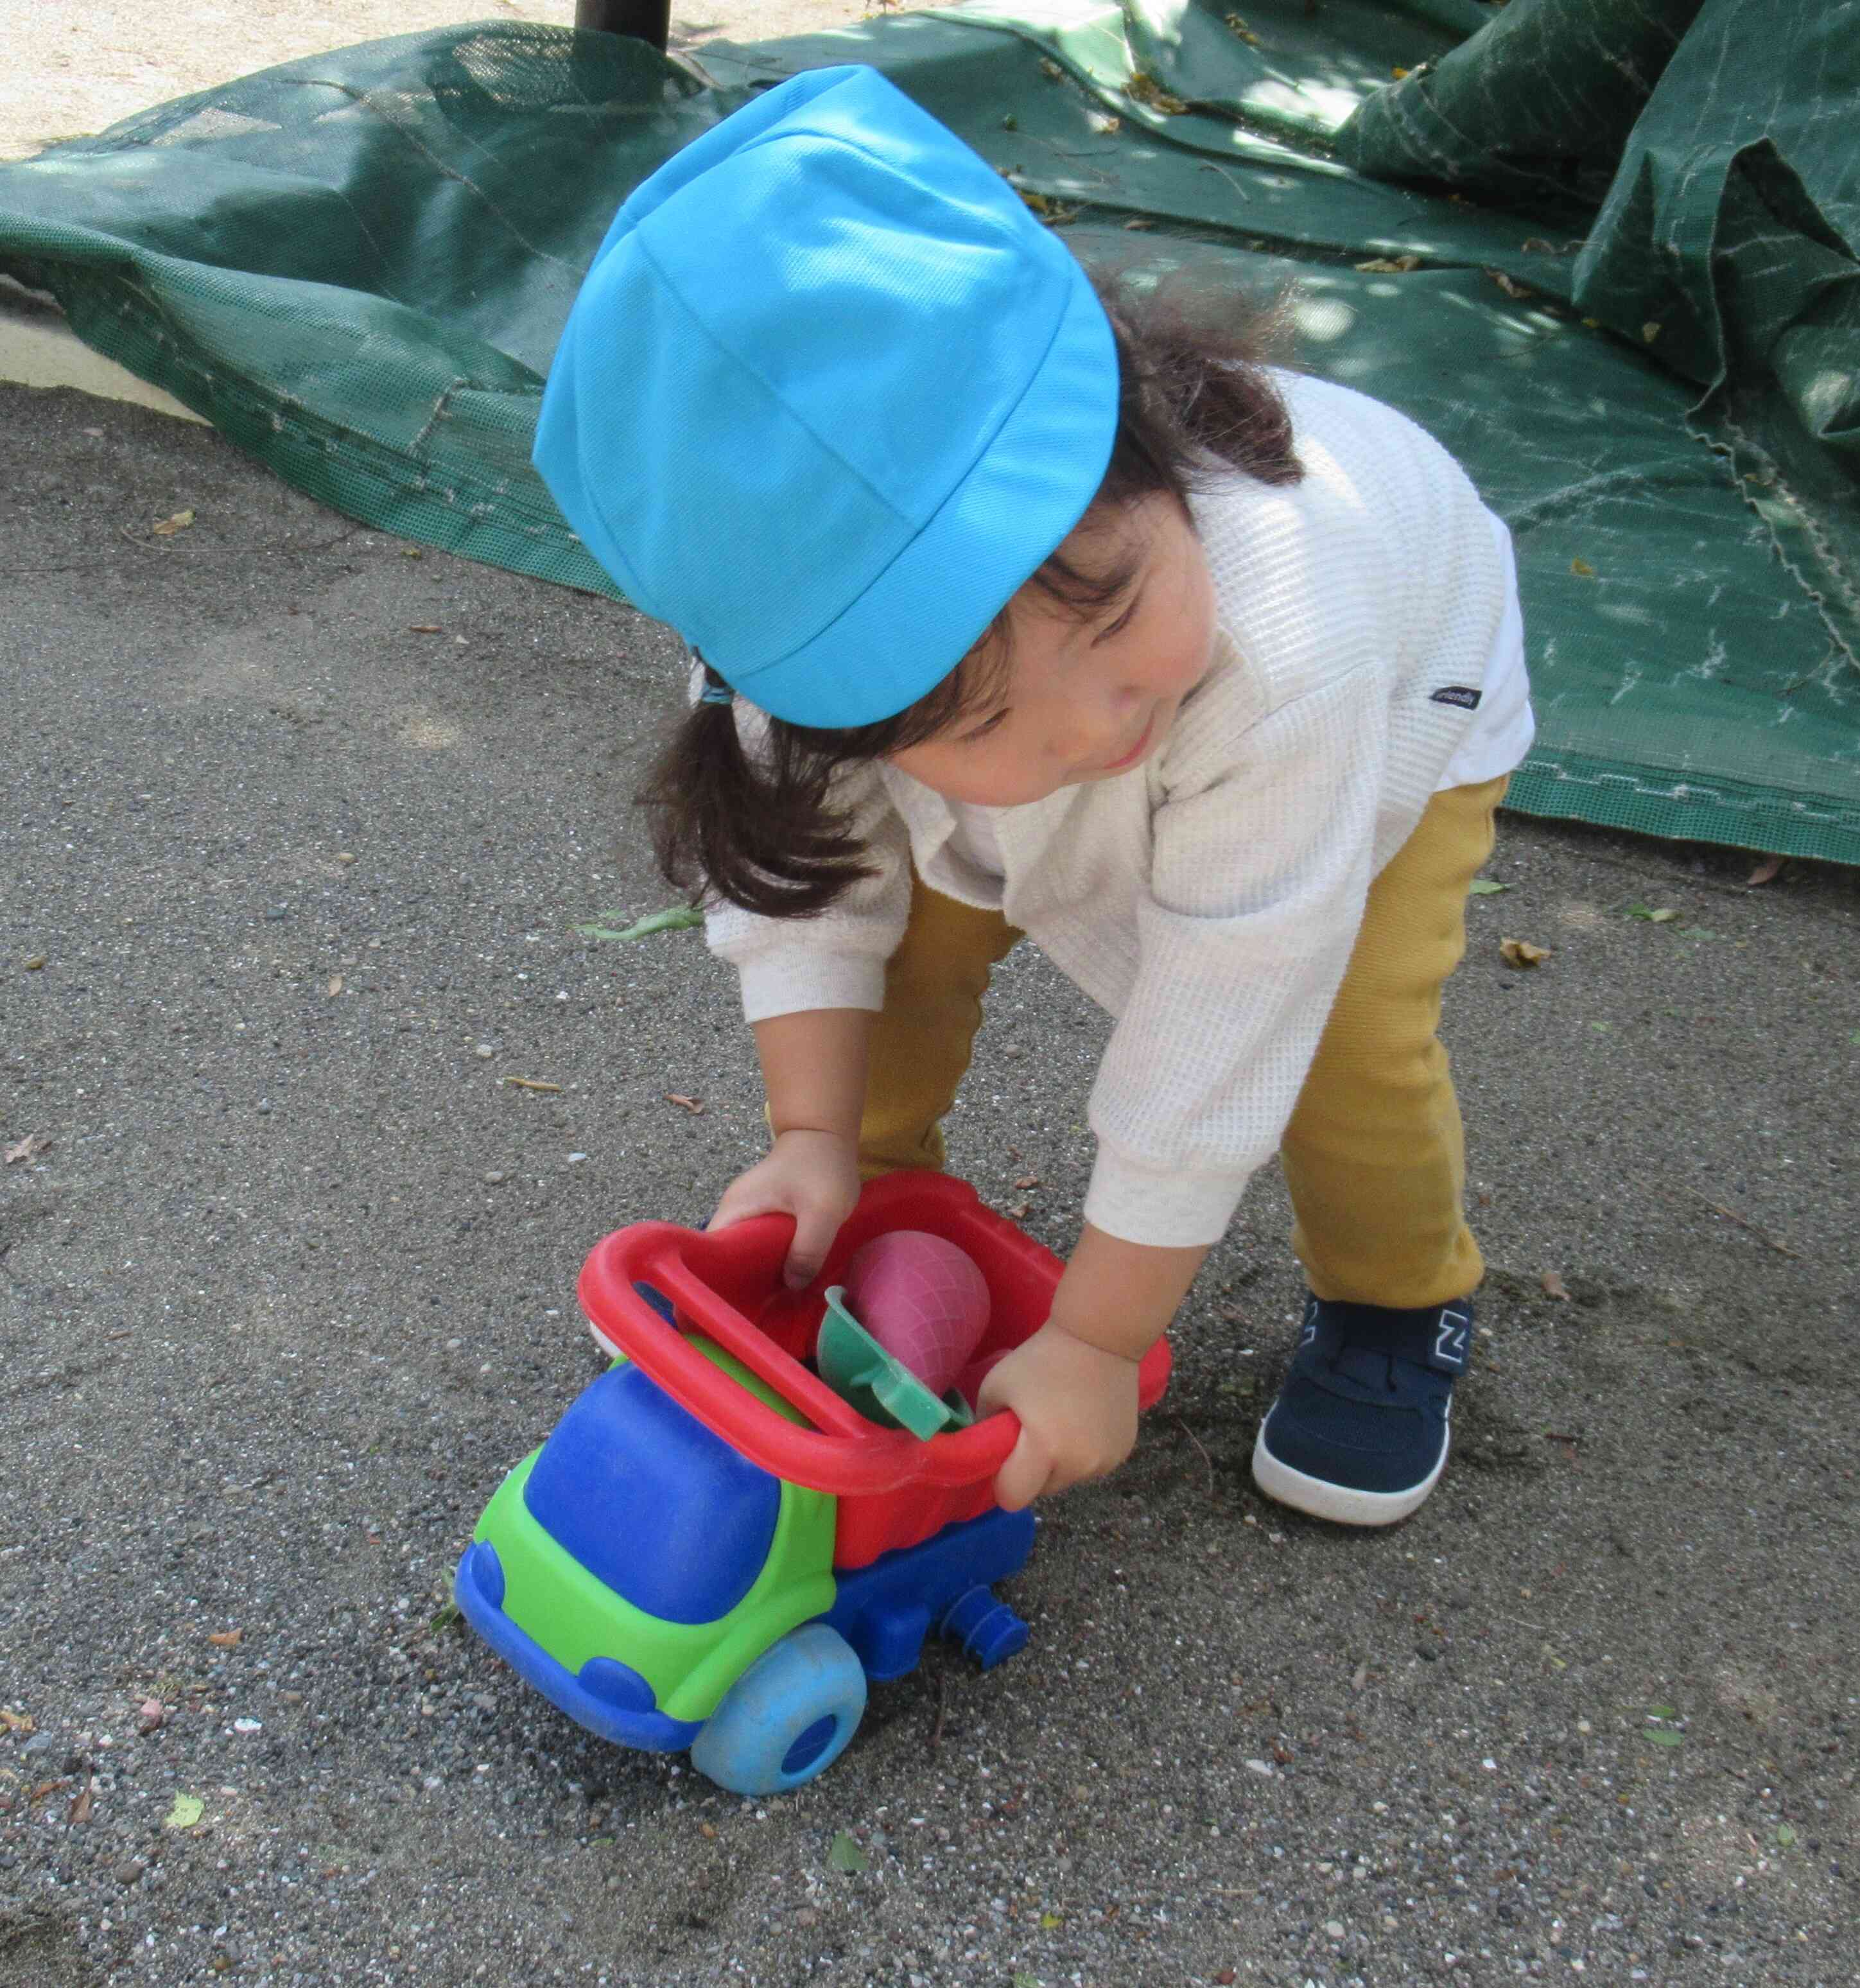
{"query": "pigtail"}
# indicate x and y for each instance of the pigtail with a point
(757, 829)
(1196, 397)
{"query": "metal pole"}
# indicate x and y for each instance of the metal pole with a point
(645, 20)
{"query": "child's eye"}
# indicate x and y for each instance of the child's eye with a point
(1117, 627)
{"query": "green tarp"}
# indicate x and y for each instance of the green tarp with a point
(1605, 249)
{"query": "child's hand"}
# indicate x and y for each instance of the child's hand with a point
(1077, 1405)
(813, 1176)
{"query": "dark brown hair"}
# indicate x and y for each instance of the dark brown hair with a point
(760, 828)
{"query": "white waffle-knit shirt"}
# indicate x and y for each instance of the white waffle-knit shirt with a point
(1209, 898)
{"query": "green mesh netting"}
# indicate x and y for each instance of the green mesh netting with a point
(1606, 253)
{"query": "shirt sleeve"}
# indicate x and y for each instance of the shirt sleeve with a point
(836, 958)
(1260, 871)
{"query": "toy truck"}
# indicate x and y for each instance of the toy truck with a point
(713, 1551)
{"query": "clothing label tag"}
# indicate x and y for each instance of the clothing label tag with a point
(1459, 694)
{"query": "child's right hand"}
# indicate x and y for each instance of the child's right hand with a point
(813, 1176)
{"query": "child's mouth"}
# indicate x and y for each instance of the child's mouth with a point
(1135, 753)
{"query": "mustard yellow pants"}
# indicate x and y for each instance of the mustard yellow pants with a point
(1374, 1155)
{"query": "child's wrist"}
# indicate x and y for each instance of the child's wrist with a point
(844, 1138)
(1101, 1335)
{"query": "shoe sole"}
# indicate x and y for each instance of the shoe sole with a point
(1338, 1502)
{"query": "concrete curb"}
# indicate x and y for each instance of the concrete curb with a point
(38, 348)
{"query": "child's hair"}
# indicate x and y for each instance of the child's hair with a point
(759, 829)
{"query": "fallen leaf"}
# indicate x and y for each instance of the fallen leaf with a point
(79, 1810)
(1785, 1835)
(186, 1811)
(844, 1854)
(1240, 28)
(1554, 1286)
(1144, 88)
(1049, 1920)
(169, 526)
(1139, 223)
(336, 983)
(423, 628)
(1487, 887)
(27, 1148)
(1535, 245)
(411, 552)
(674, 918)
(37, 963)
(1649, 331)
(1028, 1180)
(694, 1105)
(1105, 126)
(1664, 1736)
(1390, 266)
(1510, 284)
(1051, 70)
(1048, 210)
(226, 1639)
(1581, 568)
(1398, 72)
(529, 1083)
(1521, 952)
(16, 1721)
(1648, 915)
(1766, 872)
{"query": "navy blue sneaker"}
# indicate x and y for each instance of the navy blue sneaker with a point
(1359, 1434)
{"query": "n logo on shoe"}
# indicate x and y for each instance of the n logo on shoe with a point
(1450, 1338)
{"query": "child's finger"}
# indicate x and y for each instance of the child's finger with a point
(813, 1234)
(1024, 1475)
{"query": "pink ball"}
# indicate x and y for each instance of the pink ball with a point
(923, 1301)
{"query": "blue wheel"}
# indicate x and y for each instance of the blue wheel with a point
(787, 1717)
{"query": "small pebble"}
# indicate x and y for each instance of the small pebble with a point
(484, 1050)
(274, 912)
(495, 1178)
(129, 1871)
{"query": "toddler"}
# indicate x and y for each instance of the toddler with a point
(1017, 610)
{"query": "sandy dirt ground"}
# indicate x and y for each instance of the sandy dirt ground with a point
(297, 820)
(72, 68)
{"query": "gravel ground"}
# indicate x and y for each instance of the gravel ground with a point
(287, 1273)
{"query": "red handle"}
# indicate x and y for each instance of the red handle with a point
(844, 1453)
(723, 1281)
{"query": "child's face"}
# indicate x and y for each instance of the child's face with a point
(1086, 700)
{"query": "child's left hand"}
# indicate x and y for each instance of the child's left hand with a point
(1077, 1405)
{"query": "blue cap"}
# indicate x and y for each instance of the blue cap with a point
(829, 396)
